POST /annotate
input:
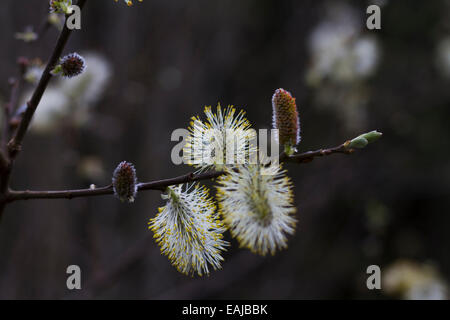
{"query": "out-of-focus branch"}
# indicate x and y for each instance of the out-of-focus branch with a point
(163, 184)
(14, 146)
(7, 110)
(11, 106)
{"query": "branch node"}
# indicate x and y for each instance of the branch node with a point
(14, 148)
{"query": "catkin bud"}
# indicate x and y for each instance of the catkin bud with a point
(358, 142)
(363, 140)
(72, 65)
(125, 182)
(286, 120)
(372, 136)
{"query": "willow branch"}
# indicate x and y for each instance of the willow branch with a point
(108, 190)
(7, 110)
(14, 146)
(43, 28)
(11, 106)
(311, 155)
(163, 184)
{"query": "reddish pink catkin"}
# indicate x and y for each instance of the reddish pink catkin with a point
(286, 119)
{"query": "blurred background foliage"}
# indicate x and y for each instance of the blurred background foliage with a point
(154, 65)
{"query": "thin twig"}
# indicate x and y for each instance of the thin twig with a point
(7, 109)
(310, 155)
(108, 190)
(11, 106)
(161, 184)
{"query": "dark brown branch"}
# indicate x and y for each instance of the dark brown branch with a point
(310, 155)
(11, 106)
(161, 184)
(65, 194)
(108, 190)
(15, 144)
(15, 85)
(190, 177)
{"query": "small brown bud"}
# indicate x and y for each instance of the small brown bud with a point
(125, 182)
(70, 66)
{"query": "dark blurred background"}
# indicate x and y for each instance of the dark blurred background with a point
(154, 65)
